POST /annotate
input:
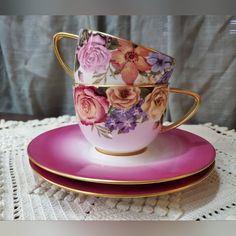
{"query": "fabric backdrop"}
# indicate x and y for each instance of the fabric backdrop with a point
(33, 82)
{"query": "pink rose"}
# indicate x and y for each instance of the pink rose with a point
(90, 107)
(93, 56)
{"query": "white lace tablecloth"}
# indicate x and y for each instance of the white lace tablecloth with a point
(23, 196)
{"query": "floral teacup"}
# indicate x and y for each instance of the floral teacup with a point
(123, 120)
(121, 91)
(103, 59)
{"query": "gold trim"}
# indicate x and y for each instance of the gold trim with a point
(191, 112)
(56, 46)
(119, 182)
(124, 85)
(210, 171)
(121, 153)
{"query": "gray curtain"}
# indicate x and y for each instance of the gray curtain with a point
(32, 81)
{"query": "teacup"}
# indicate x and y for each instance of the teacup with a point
(124, 120)
(121, 92)
(103, 59)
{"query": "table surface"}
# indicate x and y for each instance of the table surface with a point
(24, 196)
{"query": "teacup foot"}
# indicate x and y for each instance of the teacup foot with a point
(121, 153)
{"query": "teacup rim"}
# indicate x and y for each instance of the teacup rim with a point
(140, 45)
(121, 85)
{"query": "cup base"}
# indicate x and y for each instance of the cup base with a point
(121, 153)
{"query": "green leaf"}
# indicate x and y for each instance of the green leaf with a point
(143, 73)
(154, 73)
(113, 73)
(144, 92)
(114, 44)
(76, 64)
(117, 72)
(103, 131)
(120, 132)
(107, 135)
(84, 36)
(99, 75)
(144, 119)
(99, 133)
(110, 110)
(97, 81)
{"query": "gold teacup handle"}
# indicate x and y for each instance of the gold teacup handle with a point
(56, 46)
(190, 113)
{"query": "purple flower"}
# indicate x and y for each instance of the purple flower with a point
(159, 62)
(137, 111)
(111, 123)
(119, 113)
(125, 120)
(165, 78)
(125, 124)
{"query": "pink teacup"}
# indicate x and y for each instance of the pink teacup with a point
(124, 120)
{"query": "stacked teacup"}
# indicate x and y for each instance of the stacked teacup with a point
(121, 92)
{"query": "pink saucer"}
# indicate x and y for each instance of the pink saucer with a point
(173, 155)
(114, 190)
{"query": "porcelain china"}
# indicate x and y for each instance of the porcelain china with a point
(123, 191)
(174, 155)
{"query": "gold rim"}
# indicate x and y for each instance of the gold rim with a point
(210, 171)
(125, 85)
(190, 113)
(121, 153)
(118, 182)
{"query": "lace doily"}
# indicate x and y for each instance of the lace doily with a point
(24, 196)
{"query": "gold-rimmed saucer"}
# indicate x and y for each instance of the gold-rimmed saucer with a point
(174, 155)
(122, 191)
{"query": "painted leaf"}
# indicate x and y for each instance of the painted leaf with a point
(102, 131)
(107, 135)
(110, 110)
(76, 64)
(84, 36)
(97, 81)
(114, 44)
(99, 75)
(145, 92)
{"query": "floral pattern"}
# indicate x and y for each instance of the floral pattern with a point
(129, 60)
(101, 58)
(159, 62)
(90, 107)
(119, 109)
(123, 97)
(155, 103)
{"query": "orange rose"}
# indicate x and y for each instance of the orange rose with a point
(155, 103)
(123, 97)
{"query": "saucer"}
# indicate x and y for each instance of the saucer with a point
(173, 155)
(122, 191)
